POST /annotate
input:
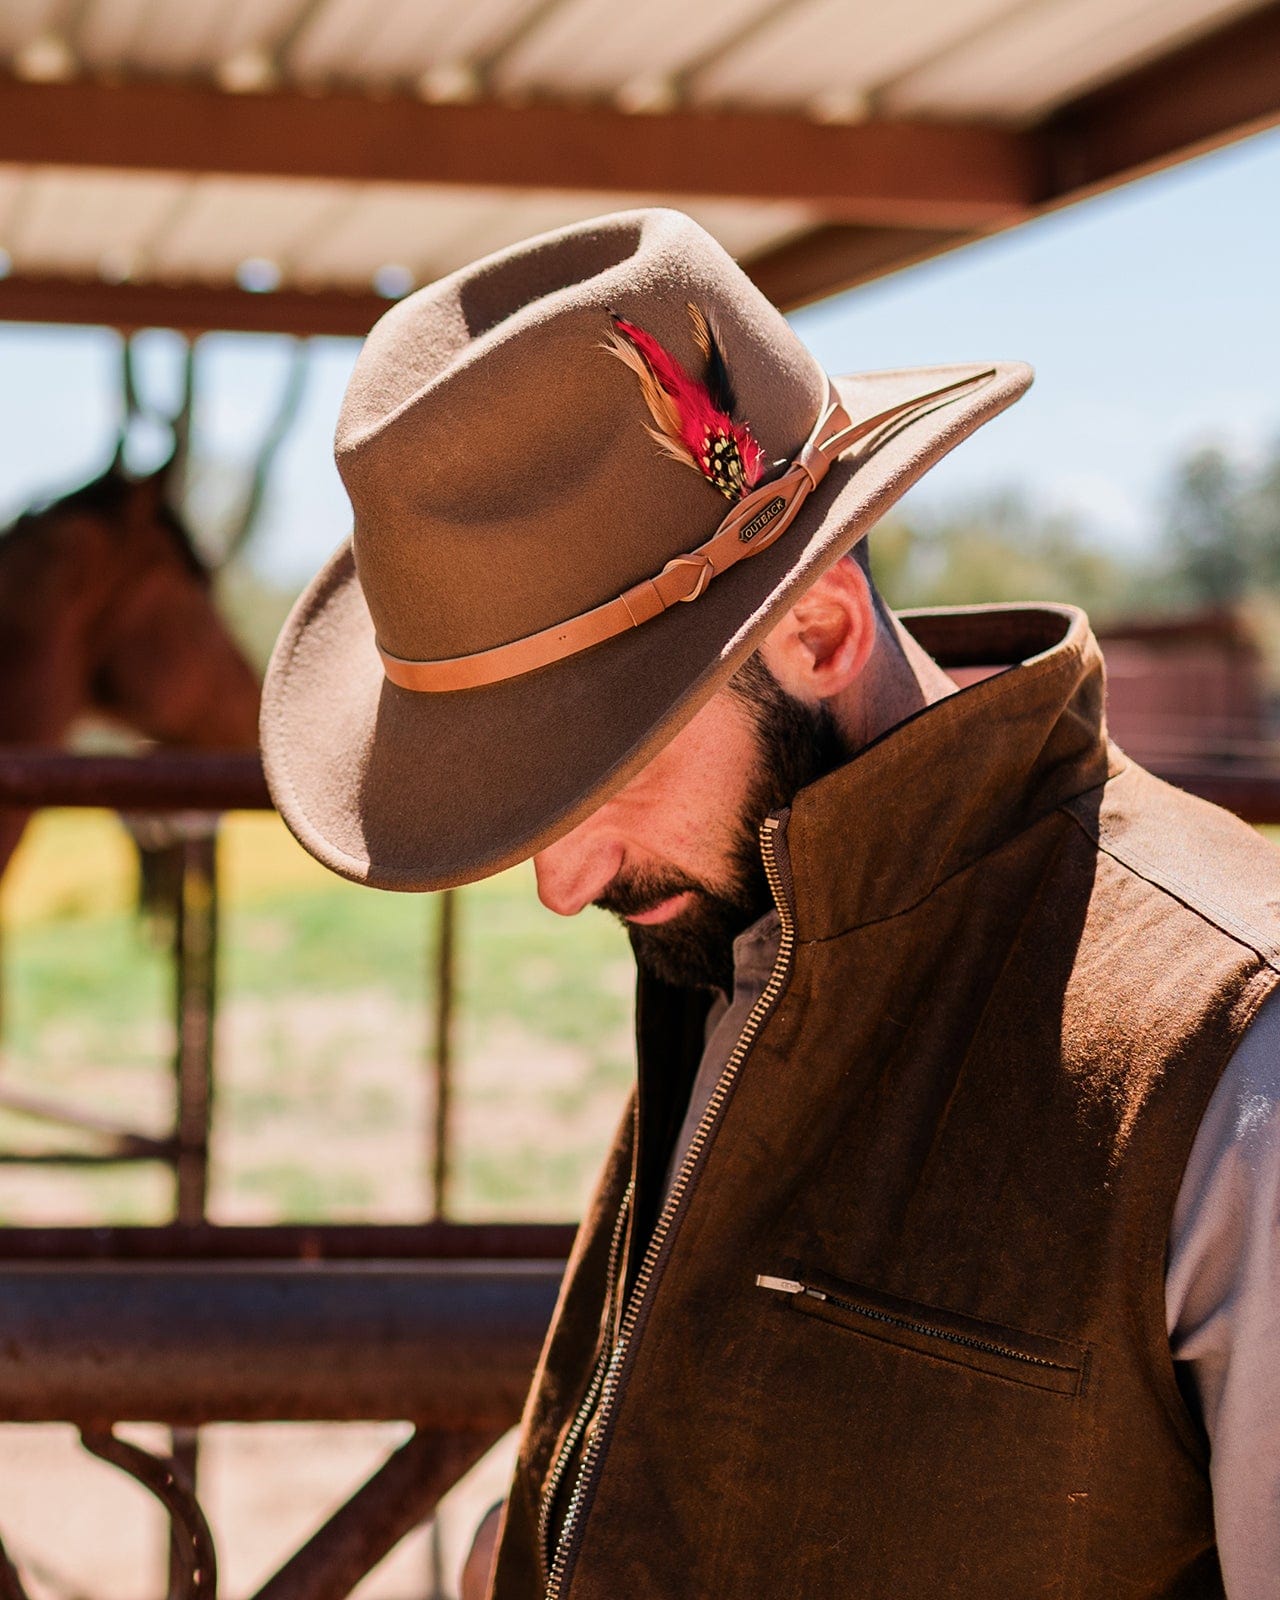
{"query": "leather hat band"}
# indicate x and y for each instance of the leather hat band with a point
(757, 521)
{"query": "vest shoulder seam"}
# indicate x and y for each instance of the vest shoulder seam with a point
(1195, 900)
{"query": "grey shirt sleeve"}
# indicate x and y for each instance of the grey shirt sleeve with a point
(1222, 1300)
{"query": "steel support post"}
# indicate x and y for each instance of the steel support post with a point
(442, 1052)
(195, 943)
(195, 956)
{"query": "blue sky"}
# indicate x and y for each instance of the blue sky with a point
(1150, 315)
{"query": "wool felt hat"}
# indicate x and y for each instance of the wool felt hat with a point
(505, 479)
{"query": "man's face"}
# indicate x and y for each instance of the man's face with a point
(675, 854)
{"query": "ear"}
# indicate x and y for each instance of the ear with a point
(822, 644)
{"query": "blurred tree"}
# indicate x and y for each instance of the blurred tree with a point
(996, 548)
(1208, 528)
(1262, 515)
(1217, 545)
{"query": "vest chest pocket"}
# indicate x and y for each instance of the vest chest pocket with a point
(1011, 1354)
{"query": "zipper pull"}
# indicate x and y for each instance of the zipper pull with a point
(787, 1286)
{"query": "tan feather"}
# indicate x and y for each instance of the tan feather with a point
(662, 408)
(703, 335)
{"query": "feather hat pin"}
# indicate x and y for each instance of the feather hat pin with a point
(693, 421)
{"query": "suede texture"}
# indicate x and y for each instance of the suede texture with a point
(1021, 964)
(502, 479)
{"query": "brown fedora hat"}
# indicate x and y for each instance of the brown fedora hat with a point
(538, 484)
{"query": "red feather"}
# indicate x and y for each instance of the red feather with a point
(688, 423)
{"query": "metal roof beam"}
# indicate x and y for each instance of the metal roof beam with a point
(1213, 91)
(192, 308)
(835, 257)
(896, 174)
(1207, 94)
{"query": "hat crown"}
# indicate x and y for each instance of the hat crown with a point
(498, 458)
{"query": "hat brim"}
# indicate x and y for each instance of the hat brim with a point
(411, 791)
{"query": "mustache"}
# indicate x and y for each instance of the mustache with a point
(631, 894)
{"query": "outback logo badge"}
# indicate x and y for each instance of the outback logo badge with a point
(762, 519)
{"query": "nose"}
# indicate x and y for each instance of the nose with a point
(575, 870)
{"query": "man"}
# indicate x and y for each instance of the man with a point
(930, 1261)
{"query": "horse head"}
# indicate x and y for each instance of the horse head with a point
(106, 604)
(161, 659)
(106, 608)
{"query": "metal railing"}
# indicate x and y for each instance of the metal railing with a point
(439, 1326)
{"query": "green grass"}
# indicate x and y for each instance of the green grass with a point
(98, 971)
(327, 993)
(562, 978)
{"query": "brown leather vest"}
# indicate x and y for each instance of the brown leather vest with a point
(899, 1329)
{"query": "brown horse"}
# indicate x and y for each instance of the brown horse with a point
(105, 608)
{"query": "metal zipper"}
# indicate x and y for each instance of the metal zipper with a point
(671, 1207)
(551, 1488)
(791, 1286)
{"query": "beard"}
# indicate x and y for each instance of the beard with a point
(795, 745)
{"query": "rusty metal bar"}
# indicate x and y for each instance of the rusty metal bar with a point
(195, 952)
(442, 1051)
(178, 780)
(400, 1495)
(194, 1572)
(185, 1456)
(193, 308)
(445, 1345)
(201, 781)
(281, 1242)
(118, 1157)
(194, 913)
(123, 1144)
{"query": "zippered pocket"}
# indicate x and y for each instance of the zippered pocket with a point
(1034, 1359)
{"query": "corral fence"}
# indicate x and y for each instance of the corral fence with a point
(437, 1325)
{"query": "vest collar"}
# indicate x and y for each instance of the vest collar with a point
(958, 778)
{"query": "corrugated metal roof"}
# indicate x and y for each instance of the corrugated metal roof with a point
(1021, 66)
(810, 55)
(140, 225)
(397, 41)
(1005, 63)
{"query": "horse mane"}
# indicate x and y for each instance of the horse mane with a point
(105, 497)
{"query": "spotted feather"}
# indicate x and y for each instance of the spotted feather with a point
(693, 420)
